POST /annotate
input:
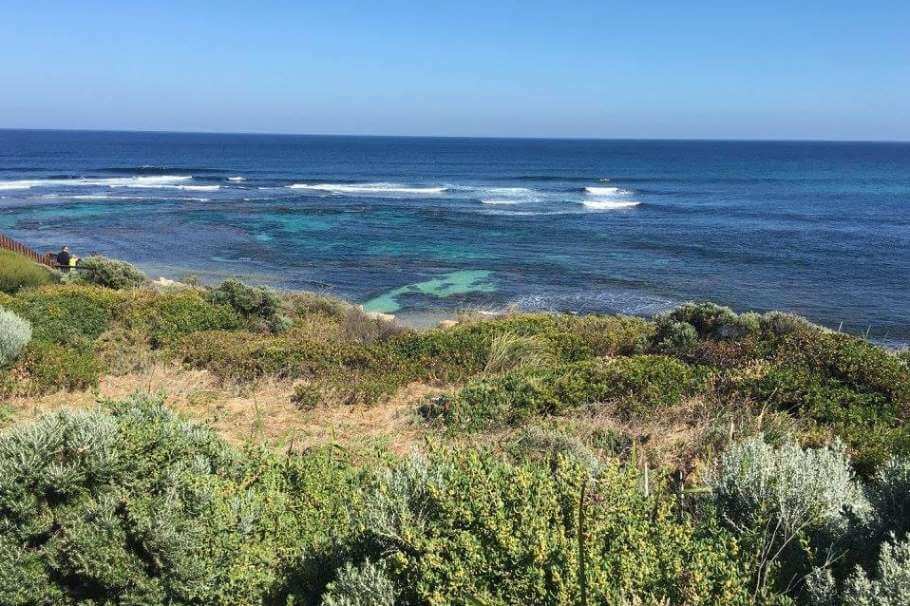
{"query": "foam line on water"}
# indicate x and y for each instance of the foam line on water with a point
(376, 189)
(141, 182)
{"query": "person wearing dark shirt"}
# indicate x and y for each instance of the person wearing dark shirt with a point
(63, 257)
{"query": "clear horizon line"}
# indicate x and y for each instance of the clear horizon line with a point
(491, 137)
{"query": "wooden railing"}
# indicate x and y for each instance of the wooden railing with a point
(48, 259)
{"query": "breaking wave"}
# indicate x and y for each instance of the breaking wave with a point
(377, 189)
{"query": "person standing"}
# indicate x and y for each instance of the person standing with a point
(63, 258)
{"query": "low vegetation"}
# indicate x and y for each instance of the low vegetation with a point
(701, 457)
(18, 272)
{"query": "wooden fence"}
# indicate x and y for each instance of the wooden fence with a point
(48, 259)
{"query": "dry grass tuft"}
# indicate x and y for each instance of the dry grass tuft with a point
(261, 413)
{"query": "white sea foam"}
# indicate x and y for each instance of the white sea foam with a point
(142, 182)
(507, 195)
(24, 184)
(376, 189)
(236, 179)
(604, 191)
(198, 187)
(609, 204)
(508, 191)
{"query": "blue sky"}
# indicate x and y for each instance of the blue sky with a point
(700, 69)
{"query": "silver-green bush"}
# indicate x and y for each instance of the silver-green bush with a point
(15, 333)
(890, 586)
(364, 585)
(789, 503)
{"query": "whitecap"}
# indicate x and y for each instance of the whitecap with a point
(605, 191)
(236, 179)
(376, 189)
(146, 181)
(24, 184)
(610, 204)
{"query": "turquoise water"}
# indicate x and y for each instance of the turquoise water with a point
(421, 225)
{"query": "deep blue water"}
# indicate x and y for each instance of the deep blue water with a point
(416, 224)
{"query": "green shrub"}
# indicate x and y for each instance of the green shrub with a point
(780, 324)
(307, 396)
(130, 505)
(674, 338)
(365, 585)
(49, 367)
(869, 422)
(352, 372)
(545, 444)
(636, 385)
(307, 304)
(67, 314)
(470, 528)
(15, 333)
(252, 302)
(167, 317)
(109, 273)
(18, 272)
(713, 321)
(851, 360)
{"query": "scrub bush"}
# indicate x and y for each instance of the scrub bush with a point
(18, 272)
(15, 333)
(67, 314)
(891, 585)
(252, 302)
(635, 385)
(307, 304)
(544, 444)
(889, 494)
(130, 505)
(787, 504)
(49, 367)
(713, 321)
(674, 338)
(780, 324)
(888, 586)
(109, 273)
(853, 361)
(869, 422)
(470, 528)
(365, 585)
(168, 316)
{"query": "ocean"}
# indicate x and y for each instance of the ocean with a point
(424, 226)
